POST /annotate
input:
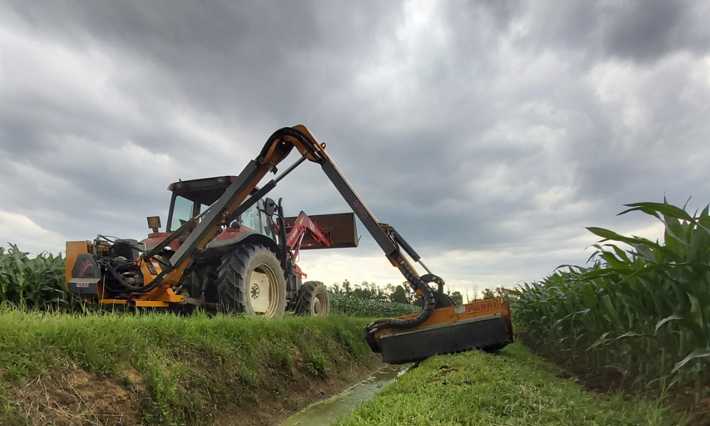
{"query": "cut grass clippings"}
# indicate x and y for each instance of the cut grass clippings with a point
(513, 387)
(167, 369)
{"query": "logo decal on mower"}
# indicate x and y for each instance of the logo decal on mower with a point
(483, 306)
(86, 265)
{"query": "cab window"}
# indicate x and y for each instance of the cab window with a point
(182, 212)
(266, 222)
(250, 218)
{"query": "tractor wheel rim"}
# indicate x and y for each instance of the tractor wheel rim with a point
(318, 304)
(263, 291)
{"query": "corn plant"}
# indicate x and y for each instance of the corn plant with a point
(32, 282)
(642, 307)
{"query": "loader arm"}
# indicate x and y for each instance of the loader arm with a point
(304, 225)
(237, 199)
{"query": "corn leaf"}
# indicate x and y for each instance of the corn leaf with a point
(699, 353)
(660, 323)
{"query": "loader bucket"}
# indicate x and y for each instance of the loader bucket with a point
(341, 226)
(482, 325)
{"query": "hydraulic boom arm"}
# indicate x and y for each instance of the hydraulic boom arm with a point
(236, 199)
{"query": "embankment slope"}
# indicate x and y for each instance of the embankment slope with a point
(166, 369)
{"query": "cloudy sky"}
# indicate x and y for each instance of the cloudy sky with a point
(489, 133)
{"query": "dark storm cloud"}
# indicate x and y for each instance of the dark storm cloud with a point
(236, 57)
(469, 126)
(225, 64)
(638, 30)
(646, 30)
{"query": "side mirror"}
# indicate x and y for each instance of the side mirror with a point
(269, 207)
(154, 223)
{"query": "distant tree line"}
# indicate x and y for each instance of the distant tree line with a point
(403, 293)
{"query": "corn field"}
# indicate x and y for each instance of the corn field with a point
(368, 308)
(32, 283)
(641, 308)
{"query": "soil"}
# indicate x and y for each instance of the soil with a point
(700, 412)
(81, 398)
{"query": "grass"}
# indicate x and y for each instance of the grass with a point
(514, 387)
(190, 367)
(642, 308)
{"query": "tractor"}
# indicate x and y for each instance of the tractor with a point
(236, 256)
(248, 266)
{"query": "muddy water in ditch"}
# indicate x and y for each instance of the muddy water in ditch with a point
(326, 412)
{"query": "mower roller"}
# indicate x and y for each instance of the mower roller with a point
(213, 254)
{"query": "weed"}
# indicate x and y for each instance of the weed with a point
(317, 362)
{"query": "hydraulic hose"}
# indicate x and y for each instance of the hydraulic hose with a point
(132, 288)
(431, 278)
(427, 295)
(120, 279)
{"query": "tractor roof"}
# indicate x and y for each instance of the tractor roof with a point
(204, 191)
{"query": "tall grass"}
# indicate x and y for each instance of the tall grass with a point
(642, 308)
(32, 282)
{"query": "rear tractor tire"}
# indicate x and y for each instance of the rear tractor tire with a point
(313, 299)
(250, 280)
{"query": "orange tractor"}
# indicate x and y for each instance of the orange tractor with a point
(227, 246)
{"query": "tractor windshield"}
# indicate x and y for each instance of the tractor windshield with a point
(182, 212)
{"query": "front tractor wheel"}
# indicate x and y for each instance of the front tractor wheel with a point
(313, 299)
(250, 280)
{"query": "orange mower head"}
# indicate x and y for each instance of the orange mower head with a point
(483, 324)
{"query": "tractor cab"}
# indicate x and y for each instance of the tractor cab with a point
(265, 252)
(191, 197)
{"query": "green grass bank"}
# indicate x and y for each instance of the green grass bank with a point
(163, 369)
(513, 387)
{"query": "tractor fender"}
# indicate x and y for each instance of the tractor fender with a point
(228, 239)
